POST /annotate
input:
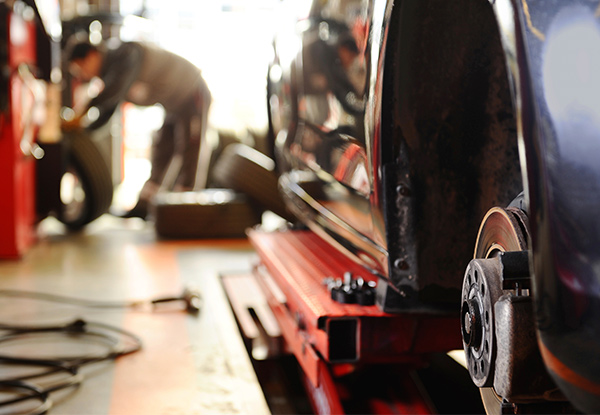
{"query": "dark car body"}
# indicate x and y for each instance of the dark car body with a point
(398, 125)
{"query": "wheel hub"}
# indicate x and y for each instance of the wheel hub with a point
(501, 230)
(480, 292)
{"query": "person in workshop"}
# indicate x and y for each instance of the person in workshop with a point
(144, 74)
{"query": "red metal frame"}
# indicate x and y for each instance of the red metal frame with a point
(17, 171)
(292, 269)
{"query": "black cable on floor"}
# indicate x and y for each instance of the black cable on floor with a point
(189, 297)
(25, 391)
(114, 341)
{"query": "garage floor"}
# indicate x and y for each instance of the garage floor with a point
(189, 364)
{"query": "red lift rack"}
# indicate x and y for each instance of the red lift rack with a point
(329, 339)
(17, 132)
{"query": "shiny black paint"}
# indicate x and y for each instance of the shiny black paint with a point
(322, 108)
(555, 61)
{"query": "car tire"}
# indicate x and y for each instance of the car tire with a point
(245, 169)
(86, 185)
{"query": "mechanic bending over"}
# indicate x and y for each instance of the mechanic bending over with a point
(145, 75)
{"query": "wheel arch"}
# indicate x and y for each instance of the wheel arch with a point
(451, 140)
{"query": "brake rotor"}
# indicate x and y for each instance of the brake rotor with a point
(502, 230)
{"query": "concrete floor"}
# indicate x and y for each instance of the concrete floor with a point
(189, 364)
